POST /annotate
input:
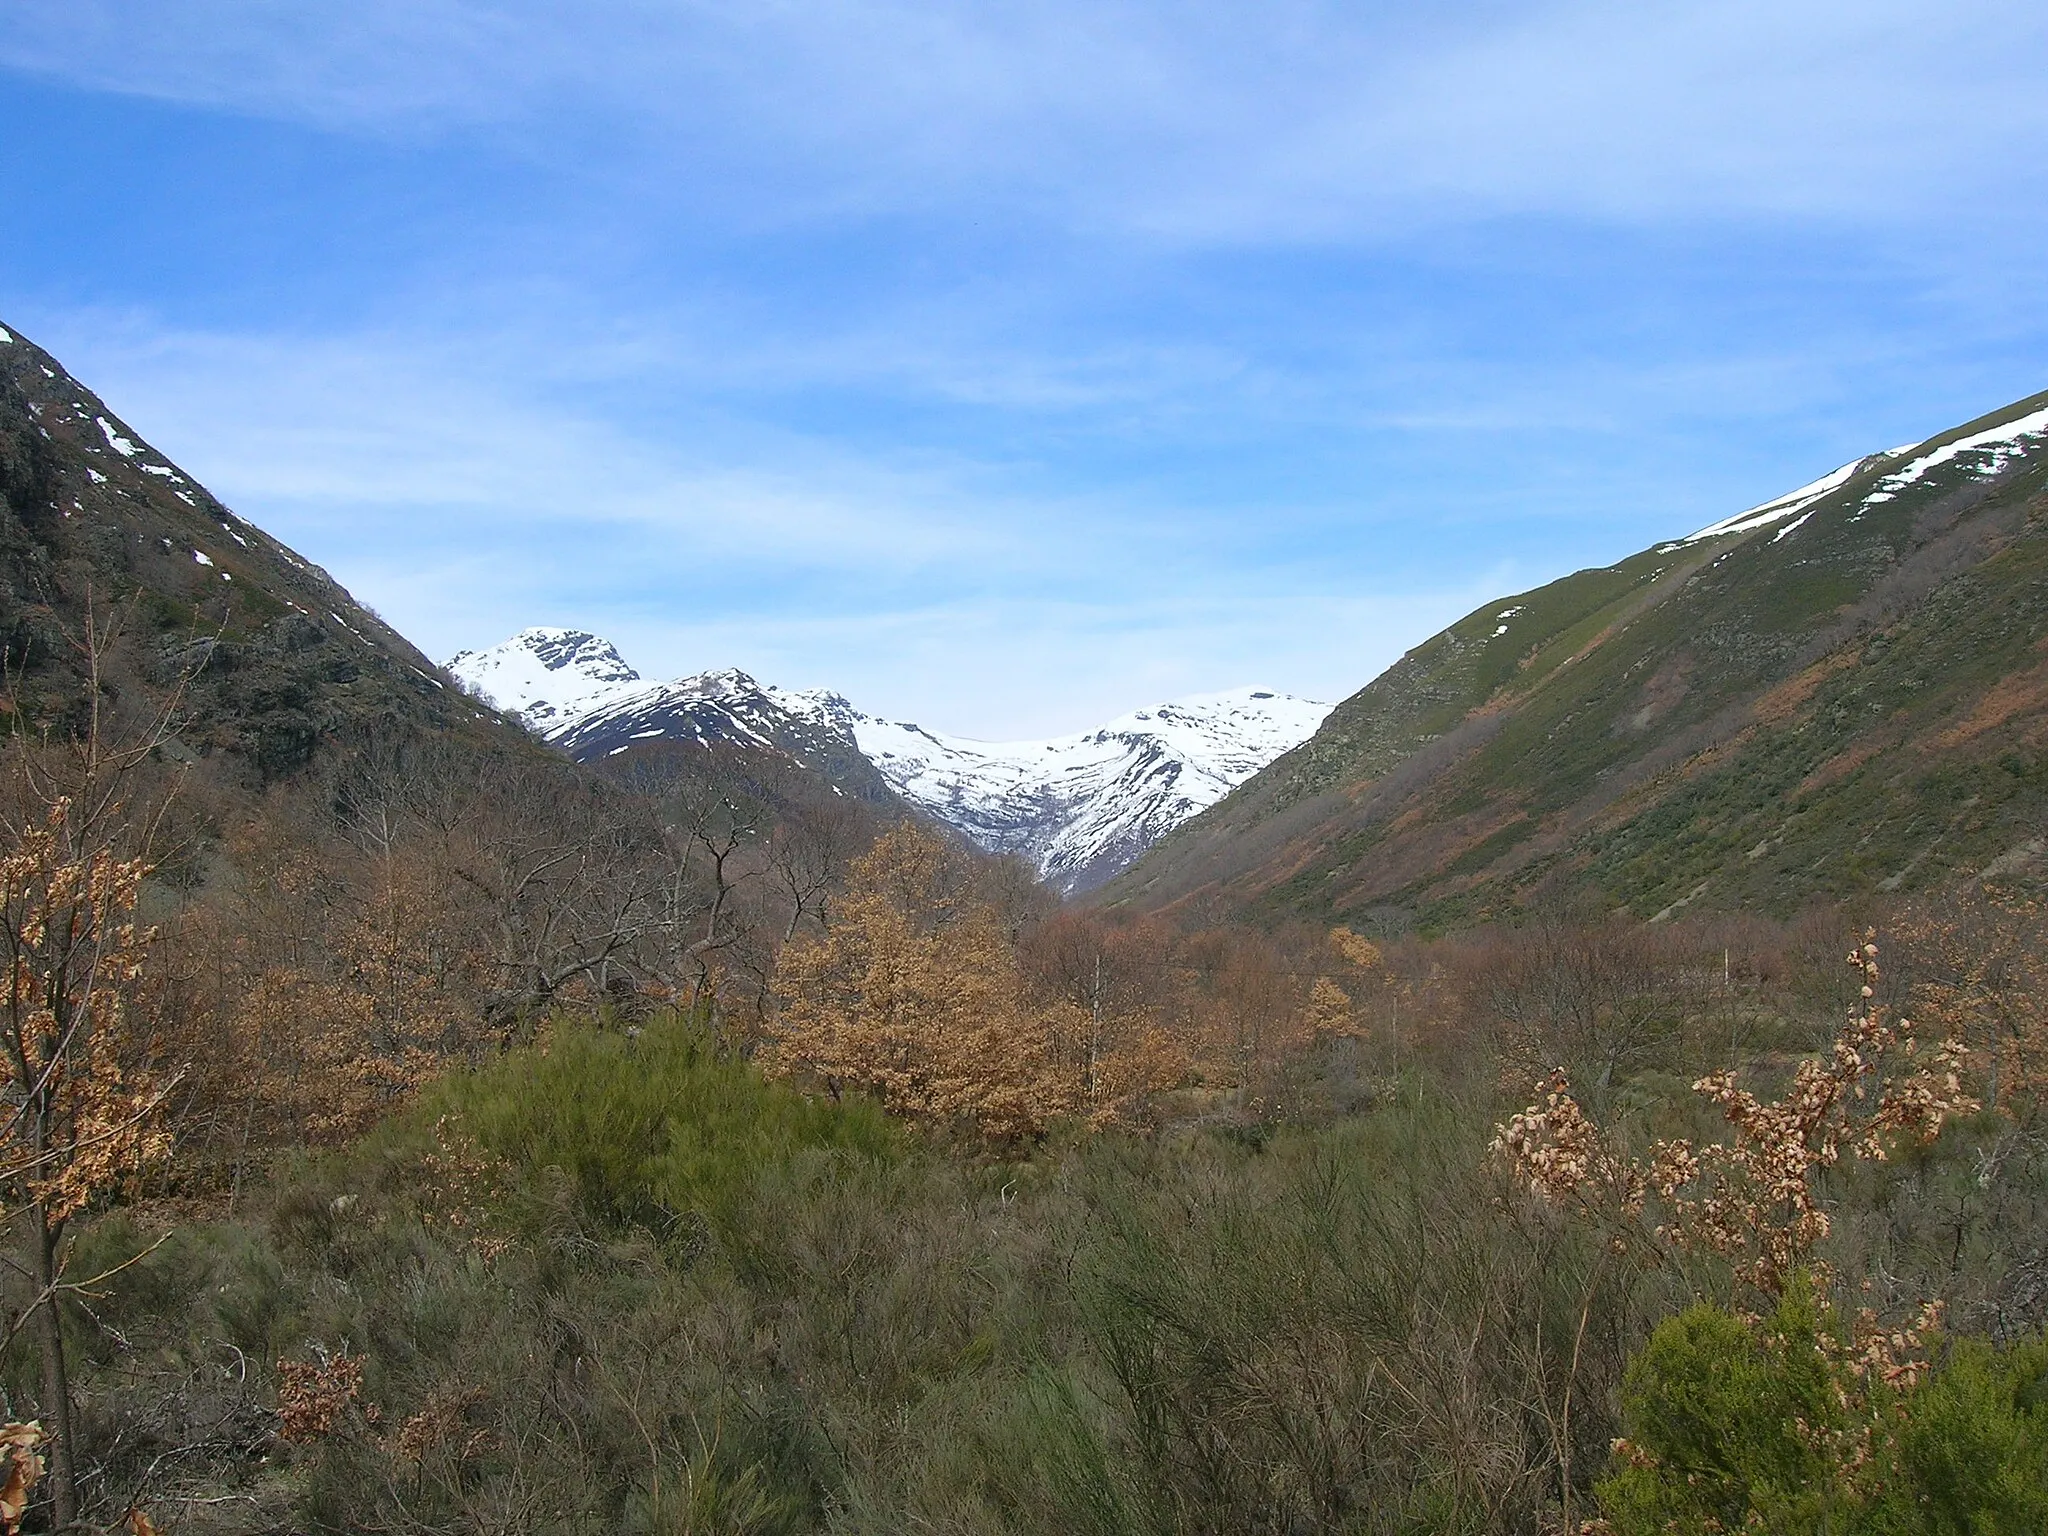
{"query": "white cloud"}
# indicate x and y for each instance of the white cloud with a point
(481, 434)
(1874, 112)
(1209, 122)
(870, 481)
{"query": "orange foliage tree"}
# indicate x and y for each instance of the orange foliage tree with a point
(82, 1112)
(914, 994)
(1331, 1011)
(1110, 990)
(1756, 1198)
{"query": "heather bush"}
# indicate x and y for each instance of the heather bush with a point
(647, 1126)
(1322, 1329)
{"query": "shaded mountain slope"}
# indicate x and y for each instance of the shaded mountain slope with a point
(730, 713)
(271, 656)
(1844, 690)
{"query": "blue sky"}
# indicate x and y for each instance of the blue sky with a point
(1004, 365)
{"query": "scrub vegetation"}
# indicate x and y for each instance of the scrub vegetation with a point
(678, 1266)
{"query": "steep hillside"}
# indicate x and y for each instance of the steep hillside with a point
(272, 657)
(1843, 690)
(1078, 808)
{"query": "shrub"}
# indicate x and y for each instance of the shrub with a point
(1791, 1423)
(1974, 1448)
(648, 1127)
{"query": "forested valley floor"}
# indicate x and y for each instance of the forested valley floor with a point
(471, 1143)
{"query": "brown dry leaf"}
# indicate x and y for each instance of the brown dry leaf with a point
(914, 995)
(312, 1398)
(19, 1442)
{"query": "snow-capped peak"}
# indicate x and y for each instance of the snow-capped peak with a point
(546, 675)
(1079, 807)
(1082, 807)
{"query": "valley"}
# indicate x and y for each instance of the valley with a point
(526, 1096)
(944, 769)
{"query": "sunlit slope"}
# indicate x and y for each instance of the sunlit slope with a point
(1843, 690)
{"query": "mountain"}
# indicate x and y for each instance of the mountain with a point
(1842, 691)
(269, 658)
(1079, 808)
(546, 675)
(578, 693)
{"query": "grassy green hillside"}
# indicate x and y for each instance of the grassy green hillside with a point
(1849, 698)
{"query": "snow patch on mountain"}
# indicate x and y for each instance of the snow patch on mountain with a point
(1783, 507)
(1079, 808)
(1991, 450)
(1981, 454)
(544, 675)
(725, 705)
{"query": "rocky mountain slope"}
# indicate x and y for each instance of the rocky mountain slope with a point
(1079, 808)
(268, 656)
(1844, 690)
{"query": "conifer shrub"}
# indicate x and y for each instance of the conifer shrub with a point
(1973, 1449)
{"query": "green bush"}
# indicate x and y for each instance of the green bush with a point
(652, 1126)
(1974, 1447)
(676, 1296)
(1767, 1424)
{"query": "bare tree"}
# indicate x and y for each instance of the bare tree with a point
(1596, 997)
(808, 854)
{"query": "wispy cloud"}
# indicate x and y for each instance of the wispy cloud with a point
(1006, 364)
(1300, 120)
(463, 507)
(479, 430)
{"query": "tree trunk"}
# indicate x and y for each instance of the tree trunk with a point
(56, 1404)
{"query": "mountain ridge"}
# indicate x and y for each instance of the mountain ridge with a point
(269, 656)
(1078, 807)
